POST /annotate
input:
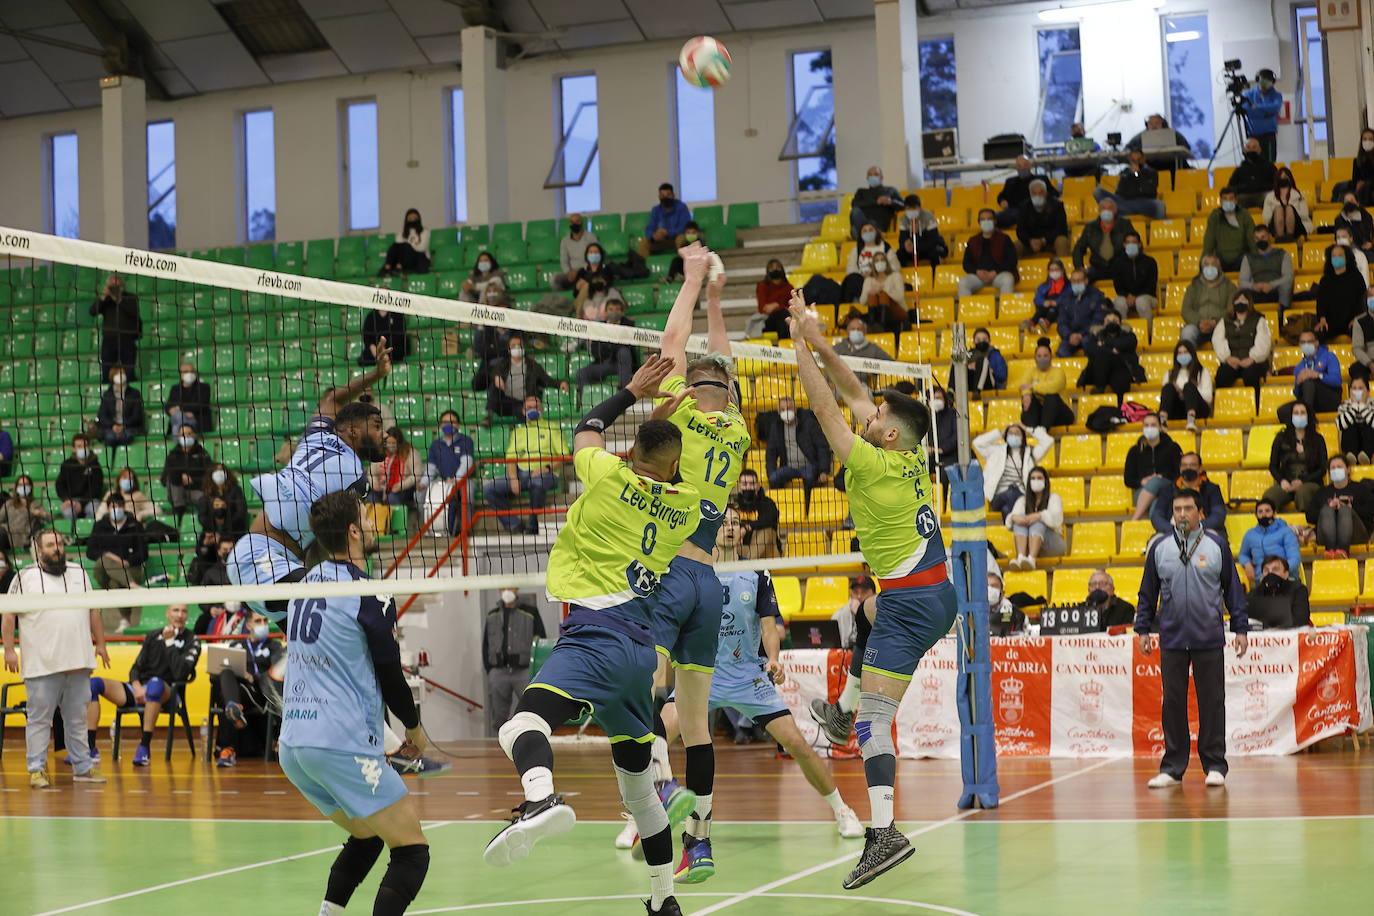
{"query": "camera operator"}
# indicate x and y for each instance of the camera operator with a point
(1262, 104)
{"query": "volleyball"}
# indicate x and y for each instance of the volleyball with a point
(704, 62)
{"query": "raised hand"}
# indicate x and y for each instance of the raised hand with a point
(650, 376)
(669, 407)
(695, 261)
(383, 358)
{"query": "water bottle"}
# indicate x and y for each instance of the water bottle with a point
(204, 732)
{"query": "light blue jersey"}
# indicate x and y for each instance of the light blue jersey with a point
(331, 696)
(750, 603)
(260, 560)
(322, 464)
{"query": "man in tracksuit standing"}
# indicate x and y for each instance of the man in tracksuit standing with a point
(1188, 577)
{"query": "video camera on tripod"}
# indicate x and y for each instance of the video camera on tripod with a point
(1236, 82)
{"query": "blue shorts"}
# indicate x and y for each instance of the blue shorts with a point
(359, 785)
(686, 614)
(759, 699)
(907, 623)
(260, 560)
(608, 672)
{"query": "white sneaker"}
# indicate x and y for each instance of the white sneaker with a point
(1016, 563)
(1028, 563)
(849, 825)
(1216, 778)
(626, 838)
(1164, 781)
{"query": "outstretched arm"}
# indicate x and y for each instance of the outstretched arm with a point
(804, 332)
(716, 338)
(334, 398)
(591, 432)
(679, 326)
(854, 392)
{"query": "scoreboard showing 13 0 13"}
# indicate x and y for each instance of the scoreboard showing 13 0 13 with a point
(1071, 620)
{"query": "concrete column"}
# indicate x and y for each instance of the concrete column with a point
(1345, 117)
(124, 160)
(899, 91)
(484, 128)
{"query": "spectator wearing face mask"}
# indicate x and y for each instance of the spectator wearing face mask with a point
(508, 636)
(884, 295)
(1082, 309)
(667, 221)
(183, 471)
(1341, 295)
(610, 359)
(759, 515)
(1008, 457)
(989, 259)
(222, 507)
(1230, 233)
(135, 500)
(874, 203)
(515, 377)
(1297, 461)
(797, 449)
(594, 283)
(944, 422)
(1041, 224)
(1150, 464)
(859, 264)
(395, 477)
(189, 401)
(690, 233)
(774, 292)
(207, 558)
(1042, 391)
(1111, 610)
(80, 481)
(986, 367)
(1137, 189)
(1278, 601)
(1356, 219)
(1285, 209)
(1271, 536)
(6, 452)
(120, 418)
(1047, 296)
(20, 515)
(1242, 343)
(1135, 277)
(918, 238)
(1206, 301)
(1263, 103)
(409, 254)
(1211, 501)
(1100, 240)
(450, 459)
(486, 272)
(533, 446)
(572, 251)
(1267, 272)
(1342, 511)
(1316, 377)
(120, 327)
(1004, 618)
(1361, 171)
(1254, 178)
(1187, 392)
(1112, 360)
(1016, 191)
(381, 327)
(1361, 260)
(1037, 522)
(1355, 420)
(856, 342)
(251, 692)
(119, 547)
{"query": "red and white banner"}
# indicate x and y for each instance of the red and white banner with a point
(1097, 696)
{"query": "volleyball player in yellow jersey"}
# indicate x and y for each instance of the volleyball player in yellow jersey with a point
(890, 498)
(687, 608)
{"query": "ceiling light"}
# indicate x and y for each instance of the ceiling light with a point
(1183, 36)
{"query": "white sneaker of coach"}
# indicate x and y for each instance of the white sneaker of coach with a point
(1216, 778)
(1163, 781)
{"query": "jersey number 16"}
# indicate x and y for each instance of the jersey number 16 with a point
(307, 620)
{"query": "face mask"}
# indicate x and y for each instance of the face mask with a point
(219, 477)
(880, 266)
(517, 352)
(261, 631)
(1285, 183)
(869, 237)
(81, 453)
(1265, 521)
(448, 429)
(1308, 350)
(1300, 421)
(1189, 474)
(1037, 485)
(983, 346)
(1272, 582)
(507, 596)
(874, 180)
(787, 416)
(856, 337)
(1013, 441)
(119, 380)
(1056, 275)
(1262, 244)
(986, 225)
(1369, 304)
(1266, 85)
(937, 404)
(1357, 394)
(1228, 206)
(1151, 433)
(1337, 262)
(1078, 288)
(484, 266)
(1038, 200)
(575, 228)
(593, 257)
(1042, 364)
(1367, 146)
(1184, 359)
(775, 274)
(691, 236)
(666, 202)
(117, 515)
(1111, 328)
(186, 441)
(1131, 250)
(1107, 216)
(1241, 307)
(994, 596)
(748, 497)
(1252, 156)
(23, 492)
(126, 485)
(913, 215)
(1338, 475)
(1098, 596)
(188, 378)
(1210, 272)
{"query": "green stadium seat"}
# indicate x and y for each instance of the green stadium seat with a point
(541, 229)
(605, 222)
(490, 442)
(522, 277)
(639, 298)
(422, 284)
(507, 232)
(446, 237)
(480, 235)
(657, 321)
(544, 250)
(511, 251)
(720, 238)
(235, 255)
(635, 223)
(378, 244)
(658, 264)
(260, 256)
(616, 244)
(450, 258)
(744, 216)
(708, 216)
(352, 264)
(449, 285)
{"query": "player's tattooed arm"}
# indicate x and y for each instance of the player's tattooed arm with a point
(334, 398)
(833, 424)
(695, 260)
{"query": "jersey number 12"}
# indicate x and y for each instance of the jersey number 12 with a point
(724, 458)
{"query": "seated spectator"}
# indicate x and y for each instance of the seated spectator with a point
(861, 588)
(1112, 359)
(1161, 161)
(1150, 464)
(572, 251)
(1362, 339)
(189, 401)
(1355, 420)
(1341, 295)
(1135, 277)
(206, 565)
(875, 203)
(1111, 610)
(1271, 536)
(610, 358)
(486, 272)
(667, 221)
(1268, 271)
(80, 481)
(183, 471)
(1356, 219)
(1316, 377)
(1297, 462)
(1137, 189)
(1008, 458)
(1211, 501)
(1342, 511)
(166, 658)
(1285, 209)
(119, 546)
(1041, 224)
(1230, 233)
(989, 259)
(533, 446)
(774, 292)
(859, 266)
(987, 368)
(450, 459)
(254, 692)
(1361, 170)
(1278, 601)
(944, 422)
(797, 449)
(1206, 300)
(1016, 191)
(1100, 240)
(1081, 310)
(1037, 522)
(856, 343)
(1080, 144)
(760, 516)
(222, 507)
(395, 477)
(6, 452)
(1242, 343)
(409, 254)
(20, 516)
(1004, 618)
(1342, 238)
(1187, 392)
(1047, 298)
(380, 325)
(515, 377)
(120, 418)
(884, 295)
(1255, 177)
(120, 327)
(918, 238)
(135, 500)
(690, 233)
(1042, 390)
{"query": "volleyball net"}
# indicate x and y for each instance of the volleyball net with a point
(487, 384)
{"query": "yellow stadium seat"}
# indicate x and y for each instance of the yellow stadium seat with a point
(789, 593)
(952, 220)
(1222, 448)
(1237, 523)
(1234, 405)
(1335, 582)
(1332, 436)
(842, 542)
(1367, 593)
(828, 506)
(1327, 618)
(791, 505)
(980, 308)
(1258, 443)
(1272, 397)
(1308, 174)
(1189, 262)
(1127, 581)
(1087, 403)
(1180, 203)
(1069, 586)
(1002, 411)
(1165, 262)
(1156, 366)
(1070, 490)
(1108, 496)
(805, 543)
(1285, 357)
(1135, 536)
(1077, 208)
(1221, 176)
(1173, 294)
(1093, 542)
(1015, 307)
(1000, 537)
(1034, 582)
(1164, 334)
(1080, 454)
(834, 227)
(1079, 186)
(1118, 446)
(934, 311)
(1313, 258)
(825, 595)
(818, 257)
(1207, 201)
(967, 197)
(1167, 234)
(1190, 179)
(1149, 399)
(947, 277)
(1248, 485)
(916, 347)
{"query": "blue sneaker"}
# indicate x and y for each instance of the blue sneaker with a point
(94, 756)
(677, 801)
(419, 767)
(141, 756)
(697, 864)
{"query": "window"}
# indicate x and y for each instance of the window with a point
(1311, 56)
(939, 104)
(1190, 81)
(1061, 81)
(162, 185)
(458, 157)
(64, 187)
(695, 109)
(813, 109)
(360, 164)
(260, 175)
(577, 162)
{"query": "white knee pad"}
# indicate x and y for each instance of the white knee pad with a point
(641, 798)
(873, 724)
(517, 725)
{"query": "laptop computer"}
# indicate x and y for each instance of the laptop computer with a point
(814, 634)
(1162, 138)
(219, 656)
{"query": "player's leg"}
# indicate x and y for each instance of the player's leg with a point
(782, 728)
(155, 693)
(837, 719)
(359, 853)
(405, 761)
(634, 774)
(111, 690)
(399, 827)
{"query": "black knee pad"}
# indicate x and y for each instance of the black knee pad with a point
(407, 870)
(354, 861)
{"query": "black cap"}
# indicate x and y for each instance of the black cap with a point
(865, 582)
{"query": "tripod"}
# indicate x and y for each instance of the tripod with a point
(1235, 119)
